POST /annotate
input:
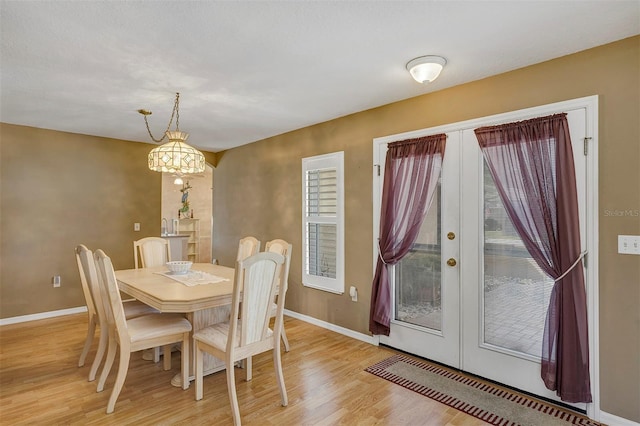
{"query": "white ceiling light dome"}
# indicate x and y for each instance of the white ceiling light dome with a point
(425, 69)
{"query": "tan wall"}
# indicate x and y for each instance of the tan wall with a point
(258, 191)
(63, 189)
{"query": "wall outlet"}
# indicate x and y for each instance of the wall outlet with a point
(629, 244)
(136, 226)
(56, 280)
(353, 292)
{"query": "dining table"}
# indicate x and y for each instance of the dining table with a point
(203, 295)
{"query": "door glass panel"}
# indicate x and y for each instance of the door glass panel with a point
(516, 290)
(417, 275)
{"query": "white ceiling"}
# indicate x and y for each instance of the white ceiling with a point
(249, 70)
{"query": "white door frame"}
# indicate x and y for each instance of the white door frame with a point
(590, 104)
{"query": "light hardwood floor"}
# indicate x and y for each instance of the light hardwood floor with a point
(41, 384)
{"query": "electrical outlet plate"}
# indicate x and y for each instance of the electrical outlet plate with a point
(629, 244)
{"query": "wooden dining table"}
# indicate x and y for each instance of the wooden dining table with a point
(202, 305)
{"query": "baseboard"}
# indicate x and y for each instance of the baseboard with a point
(340, 330)
(611, 420)
(42, 315)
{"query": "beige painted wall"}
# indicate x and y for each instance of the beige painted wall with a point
(258, 191)
(63, 189)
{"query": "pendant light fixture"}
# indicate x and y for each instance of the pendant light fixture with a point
(425, 69)
(175, 156)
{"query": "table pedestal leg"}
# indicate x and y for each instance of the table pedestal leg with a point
(201, 319)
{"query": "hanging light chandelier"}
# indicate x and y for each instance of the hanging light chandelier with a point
(175, 156)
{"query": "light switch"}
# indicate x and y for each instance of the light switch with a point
(136, 226)
(629, 244)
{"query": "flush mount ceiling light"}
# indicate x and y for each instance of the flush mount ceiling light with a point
(175, 156)
(425, 69)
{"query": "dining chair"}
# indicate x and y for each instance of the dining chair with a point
(284, 248)
(95, 308)
(154, 251)
(248, 246)
(136, 334)
(254, 289)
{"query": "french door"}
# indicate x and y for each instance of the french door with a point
(468, 294)
(425, 286)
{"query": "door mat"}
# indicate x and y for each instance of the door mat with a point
(487, 402)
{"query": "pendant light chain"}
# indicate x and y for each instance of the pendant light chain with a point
(175, 113)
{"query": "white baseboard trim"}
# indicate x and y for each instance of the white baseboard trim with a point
(611, 420)
(341, 330)
(42, 315)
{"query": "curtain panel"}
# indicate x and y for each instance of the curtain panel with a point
(532, 165)
(411, 173)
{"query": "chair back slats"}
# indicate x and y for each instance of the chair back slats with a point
(258, 292)
(255, 286)
(82, 253)
(154, 251)
(284, 248)
(113, 301)
(248, 246)
(88, 265)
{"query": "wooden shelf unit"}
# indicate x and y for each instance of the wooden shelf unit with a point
(191, 227)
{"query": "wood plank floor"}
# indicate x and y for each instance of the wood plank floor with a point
(41, 384)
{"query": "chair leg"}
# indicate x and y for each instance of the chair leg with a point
(167, 357)
(122, 374)
(231, 388)
(248, 367)
(284, 339)
(102, 347)
(184, 361)
(277, 363)
(198, 371)
(152, 354)
(91, 329)
(111, 356)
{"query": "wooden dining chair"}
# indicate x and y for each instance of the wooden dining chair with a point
(248, 246)
(95, 308)
(284, 248)
(254, 289)
(154, 251)
(136, 334)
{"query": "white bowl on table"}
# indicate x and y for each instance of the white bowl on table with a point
(179, 267)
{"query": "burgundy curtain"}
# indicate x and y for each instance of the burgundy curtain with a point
(411, 173)
(531, 163)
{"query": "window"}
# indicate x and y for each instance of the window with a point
(323, 222)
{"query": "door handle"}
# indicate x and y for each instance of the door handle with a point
(452, 262)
